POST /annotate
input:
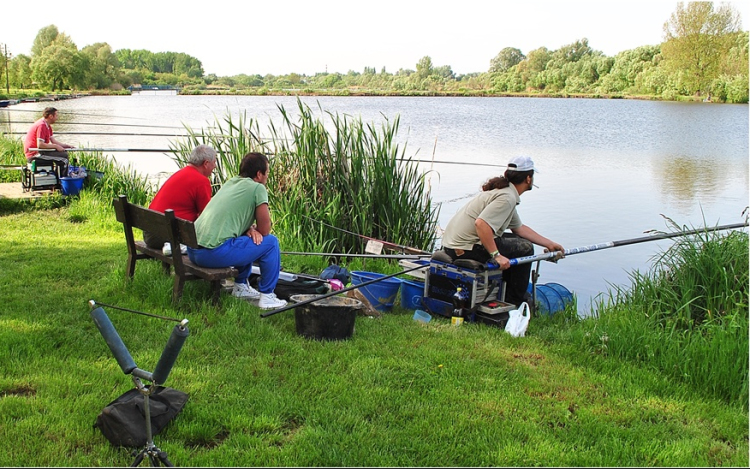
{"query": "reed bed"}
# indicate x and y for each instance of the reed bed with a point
(348, 174)
(354, 176)
(687, 317)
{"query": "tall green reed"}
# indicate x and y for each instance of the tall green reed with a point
(687, 317)
(231, 137)
(354, 176)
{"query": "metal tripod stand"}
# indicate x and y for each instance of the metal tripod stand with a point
(153, 452)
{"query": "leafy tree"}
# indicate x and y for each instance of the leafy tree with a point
(507, 58)
(59, 64)
(103, 66)
(44, 38)
(424, 67)
(697, 37)
(19, 71)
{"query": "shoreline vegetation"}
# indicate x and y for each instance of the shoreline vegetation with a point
(658, 377)
(704, 57)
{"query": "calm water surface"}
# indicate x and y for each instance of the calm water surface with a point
(608, 169)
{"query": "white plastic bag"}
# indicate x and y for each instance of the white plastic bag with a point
(518, 320)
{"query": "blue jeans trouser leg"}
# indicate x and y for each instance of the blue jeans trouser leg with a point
(241, 253)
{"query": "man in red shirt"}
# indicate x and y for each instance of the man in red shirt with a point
(40, 136)
(186, 192)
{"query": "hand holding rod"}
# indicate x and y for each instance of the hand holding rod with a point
(624, 242)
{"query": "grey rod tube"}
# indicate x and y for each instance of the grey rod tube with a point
(115, 343)
(169, 355)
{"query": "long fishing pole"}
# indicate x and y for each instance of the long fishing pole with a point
(124, 134)
(376, 256)
(66, 111)
(104, 124)
(336, 292)
(386, 243)
(139, 150)
(462, 163)
(624, 242)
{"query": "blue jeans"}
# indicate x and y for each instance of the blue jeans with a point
(241, 253)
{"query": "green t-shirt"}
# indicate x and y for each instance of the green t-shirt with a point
(496, 207)
(231, 212)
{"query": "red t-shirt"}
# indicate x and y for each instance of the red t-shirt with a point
(186, 192)
(40, 130)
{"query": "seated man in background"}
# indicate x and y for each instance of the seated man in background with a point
(187, 192)
(235, 230)
(40, 136)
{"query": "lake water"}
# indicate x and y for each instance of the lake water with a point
(608, 169)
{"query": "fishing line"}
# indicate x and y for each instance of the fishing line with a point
(94, 303)
(368, 238)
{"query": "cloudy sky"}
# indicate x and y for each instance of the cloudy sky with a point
(270, 37)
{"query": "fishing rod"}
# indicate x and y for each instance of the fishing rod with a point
(613, 244)
(139, 150)
(462, 163)
(376, 256)
(336, 292)
(103, 124)
(124, 134)
(386, 243)
(66, 111)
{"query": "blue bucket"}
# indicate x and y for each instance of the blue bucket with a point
(71, 186)
(381, 294)
(411, 294)
(551, 297)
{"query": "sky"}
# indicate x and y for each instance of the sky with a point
(309, 37)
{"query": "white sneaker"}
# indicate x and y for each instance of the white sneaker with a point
(269, 301)
(167, 249)
(245, 291)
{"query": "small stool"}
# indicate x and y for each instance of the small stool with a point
(40, 175)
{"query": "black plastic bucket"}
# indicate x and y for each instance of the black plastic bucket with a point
(329, 318)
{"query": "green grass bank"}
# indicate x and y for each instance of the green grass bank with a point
(660, 378)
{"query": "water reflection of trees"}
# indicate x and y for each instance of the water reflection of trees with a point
(681, 180)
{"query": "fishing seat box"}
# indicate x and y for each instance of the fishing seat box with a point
(45, 177)
(445, 275)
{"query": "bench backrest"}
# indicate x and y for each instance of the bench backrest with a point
(164, 225)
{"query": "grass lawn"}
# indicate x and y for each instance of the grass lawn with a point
(398, 393)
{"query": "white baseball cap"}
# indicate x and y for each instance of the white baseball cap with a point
(522, 163)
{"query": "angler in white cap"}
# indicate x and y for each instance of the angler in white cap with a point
(477, 230)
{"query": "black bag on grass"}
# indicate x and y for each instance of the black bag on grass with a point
(301, 286)
(123, 421)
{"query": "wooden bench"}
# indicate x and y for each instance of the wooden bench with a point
(166, 225)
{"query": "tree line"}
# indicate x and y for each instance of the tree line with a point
(704, 55)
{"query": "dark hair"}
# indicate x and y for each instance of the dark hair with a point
(49, 111)
(495, 183)
(517, 177)
(510, 177)
(252, 163)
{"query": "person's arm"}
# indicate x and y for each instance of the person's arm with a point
(57, 142)
(262, 225)
(40, 143)
(487, 237)
(527, 233)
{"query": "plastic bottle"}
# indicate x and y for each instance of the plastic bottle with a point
(459, 305)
